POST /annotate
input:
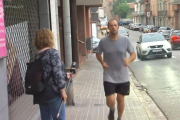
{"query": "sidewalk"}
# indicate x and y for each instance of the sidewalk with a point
(91, 103)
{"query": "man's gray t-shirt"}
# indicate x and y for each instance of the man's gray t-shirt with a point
(113, 54)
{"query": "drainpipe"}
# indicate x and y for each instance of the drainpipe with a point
(67, 34)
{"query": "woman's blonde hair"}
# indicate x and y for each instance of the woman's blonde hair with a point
(44, 38)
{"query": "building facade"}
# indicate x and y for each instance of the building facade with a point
(139, 14)
(108, 5)
(176, 12)
(154, 12)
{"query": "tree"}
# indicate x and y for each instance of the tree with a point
(121, 8)
(129, 1)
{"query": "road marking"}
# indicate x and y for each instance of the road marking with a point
(174, 57)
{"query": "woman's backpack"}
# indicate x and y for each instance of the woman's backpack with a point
(34, 81)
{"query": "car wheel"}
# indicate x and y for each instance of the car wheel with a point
(169, 55)
(138, 55)
(142, 57)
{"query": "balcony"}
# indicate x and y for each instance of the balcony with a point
(175, 2)
(138, 13)
(162, 13)
(90, 3)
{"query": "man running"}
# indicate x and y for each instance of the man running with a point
(116, 79)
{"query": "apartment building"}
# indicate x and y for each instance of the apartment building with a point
(154, 12)
(139, 12)
(176, 12)
(108, 5)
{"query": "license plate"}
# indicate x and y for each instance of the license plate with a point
(157, 50)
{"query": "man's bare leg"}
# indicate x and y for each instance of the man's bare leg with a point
(110, 101)
(120, 105)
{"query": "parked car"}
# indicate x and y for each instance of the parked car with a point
(136, 26)
(141, 29)
(148, 28)
(173, 30)
(175, 39)
(161, 29)
(95, 44)
(127, 22)
(130, 26)
(123, 32)
(152, 45)
(154, 29)
(164, 31)
(120, 23)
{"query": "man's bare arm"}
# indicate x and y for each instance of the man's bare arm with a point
(99, 58)
(104, 64)
(132, 57)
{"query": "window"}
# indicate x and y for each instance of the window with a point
(160, 7)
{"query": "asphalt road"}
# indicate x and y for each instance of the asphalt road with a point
(161, 78)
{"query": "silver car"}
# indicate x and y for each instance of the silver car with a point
(165, 31)
(152, 45)
(123, 32)
(136, 26)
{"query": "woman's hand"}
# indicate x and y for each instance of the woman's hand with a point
(63, 95)
(69, 75)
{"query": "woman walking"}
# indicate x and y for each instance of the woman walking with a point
(54, 77)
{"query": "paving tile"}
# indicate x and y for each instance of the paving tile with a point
(90, 99)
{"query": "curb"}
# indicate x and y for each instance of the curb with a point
(152, 110)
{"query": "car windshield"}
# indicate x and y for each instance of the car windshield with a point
(153, 37)
(163, 28)
(144, 26)
(178, 34)
(122, 31)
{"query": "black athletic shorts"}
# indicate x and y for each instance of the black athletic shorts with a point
(121, 88)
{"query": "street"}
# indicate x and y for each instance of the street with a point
(160, 76)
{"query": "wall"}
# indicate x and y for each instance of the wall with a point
(108, 5)
(154, 8)
(81, 18)
(4, 114)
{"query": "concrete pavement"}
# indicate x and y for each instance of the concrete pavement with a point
(90, 102)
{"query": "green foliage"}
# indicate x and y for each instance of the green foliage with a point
(121, 8)
(129, 16)
(129, 1)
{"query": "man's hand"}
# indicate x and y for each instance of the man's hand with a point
(104, 64)
(63, 95)
(126, 62)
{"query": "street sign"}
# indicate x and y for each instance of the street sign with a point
(148, 14)
(3, 50)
